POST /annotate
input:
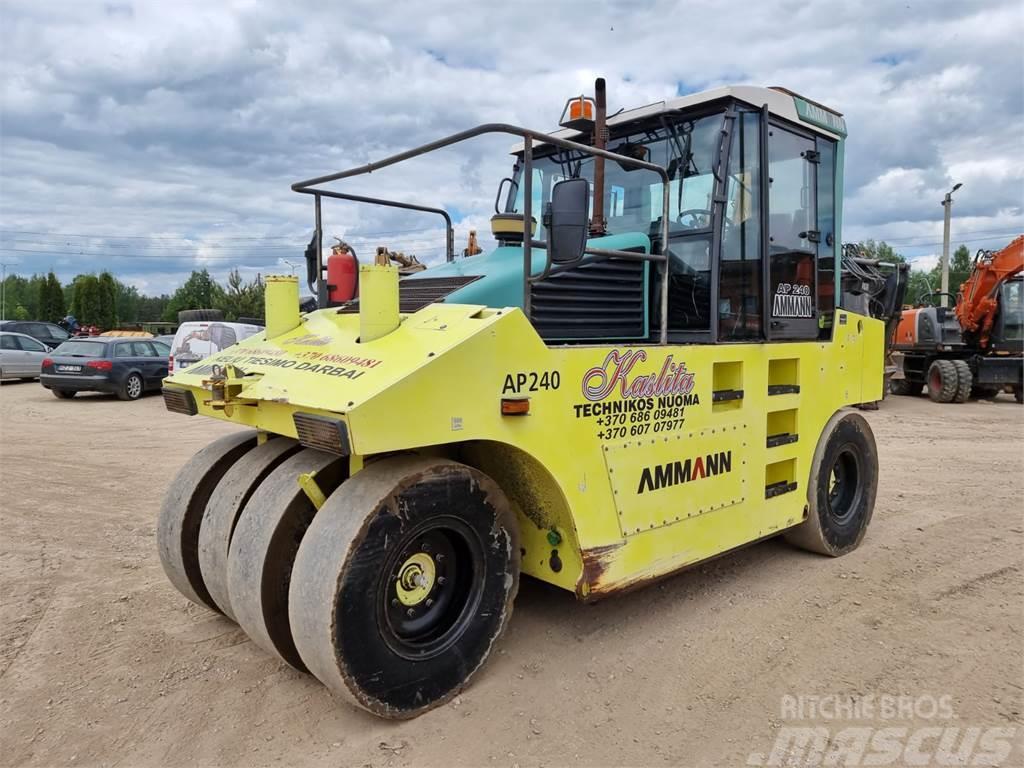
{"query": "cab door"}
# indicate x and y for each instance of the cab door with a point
(790, 305)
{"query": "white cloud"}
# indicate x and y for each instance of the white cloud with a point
(926, 262)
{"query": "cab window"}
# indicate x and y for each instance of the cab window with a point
(792, 234)
(740, 272)
(826, 225)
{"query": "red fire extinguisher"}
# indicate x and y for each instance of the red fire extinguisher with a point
(342, 273)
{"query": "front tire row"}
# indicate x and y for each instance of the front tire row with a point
(392, 594)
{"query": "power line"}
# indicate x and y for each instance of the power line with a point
(77, 248)
(961, 240)
(1001, 232)
(95, 236)
(126, 237)
(189, 257)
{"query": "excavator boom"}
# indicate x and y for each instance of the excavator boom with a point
(977, 304)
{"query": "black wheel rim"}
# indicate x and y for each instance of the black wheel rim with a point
(430, 588)
(844, 486)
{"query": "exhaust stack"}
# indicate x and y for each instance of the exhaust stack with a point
(378, 298)
(282, 304)
(598, 225)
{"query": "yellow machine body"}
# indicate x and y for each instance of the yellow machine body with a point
(632, 461)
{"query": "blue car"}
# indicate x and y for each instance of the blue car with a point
(126, 367)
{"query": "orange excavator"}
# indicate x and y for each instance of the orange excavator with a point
(977, 348)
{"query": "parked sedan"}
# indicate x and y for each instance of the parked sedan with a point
(123, 367)
(21, 356)
(48, 334)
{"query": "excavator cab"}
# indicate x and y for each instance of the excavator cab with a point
(1008, 325)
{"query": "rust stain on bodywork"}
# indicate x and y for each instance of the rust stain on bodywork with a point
(595, 562)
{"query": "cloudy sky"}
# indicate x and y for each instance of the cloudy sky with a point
(150, 138)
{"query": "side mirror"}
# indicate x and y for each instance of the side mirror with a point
(567, 220)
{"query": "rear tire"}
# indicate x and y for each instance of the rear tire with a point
(132, 388)
(263, 548)
(964, 380)
(842, 488)
(404, 582)
(1018, 394)
(199, 315)
(942, 381)
(63, 394)
(177, 529)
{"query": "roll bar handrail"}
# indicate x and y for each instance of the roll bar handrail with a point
(529, 137)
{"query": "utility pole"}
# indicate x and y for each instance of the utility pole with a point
(3, 289)
(947, 205)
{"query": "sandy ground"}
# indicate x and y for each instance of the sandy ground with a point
(102, 662)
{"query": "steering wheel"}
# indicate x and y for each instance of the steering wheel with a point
(693, 213)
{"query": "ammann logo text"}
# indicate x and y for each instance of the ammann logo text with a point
(790, 305)
(676, 472)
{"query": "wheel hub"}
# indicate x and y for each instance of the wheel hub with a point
(844, 485)
(416, 579)
(428, 588)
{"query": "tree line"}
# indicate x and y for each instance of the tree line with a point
(923, 286)
(104, 301)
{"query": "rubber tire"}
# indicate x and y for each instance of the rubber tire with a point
(199, 315)
(820, 532)
(945, 389)
(267, 536)
(64, 394)
(1018, 394)
(222, 512)
(336, 582)
(964, 381)
(902, 387)
(124, 394)
(177, 530)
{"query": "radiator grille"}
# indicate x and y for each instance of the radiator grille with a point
(601, 299)
(180, 401)
(413, 295)
(322, 433)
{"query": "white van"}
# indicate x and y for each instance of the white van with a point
(197, 340)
